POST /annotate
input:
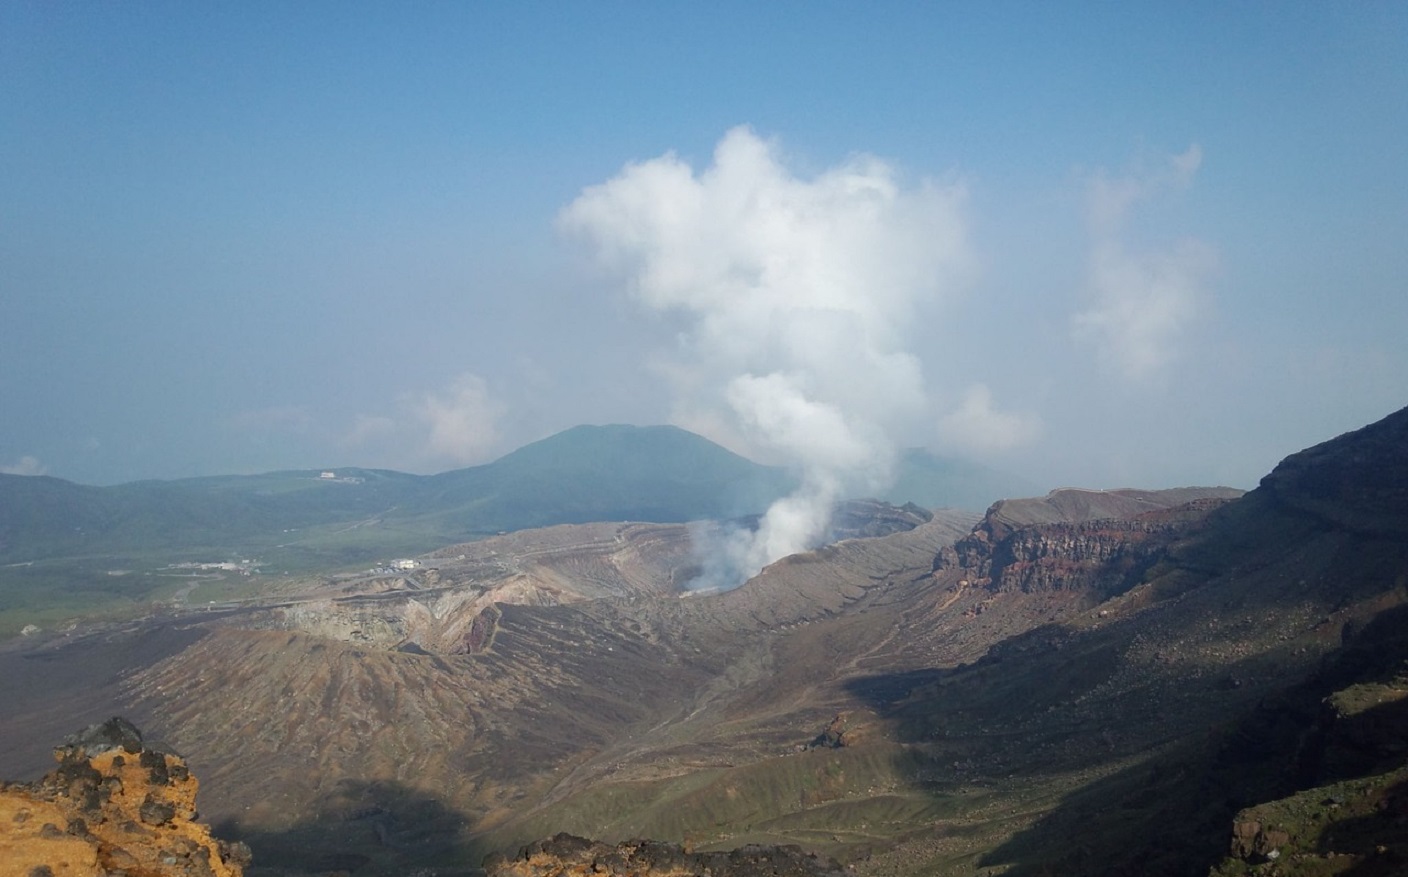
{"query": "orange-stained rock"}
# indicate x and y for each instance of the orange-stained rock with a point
(112, 807)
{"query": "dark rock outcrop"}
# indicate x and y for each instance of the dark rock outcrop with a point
(847, 728)
(113, 806)
(480, 635)
(568, 856)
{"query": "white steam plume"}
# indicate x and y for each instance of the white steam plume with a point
(797, 295)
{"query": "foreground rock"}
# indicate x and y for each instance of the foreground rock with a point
(113, 807)
(568, 856)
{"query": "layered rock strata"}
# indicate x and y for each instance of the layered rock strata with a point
(1105, 556)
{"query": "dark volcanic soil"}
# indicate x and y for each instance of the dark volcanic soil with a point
(50, 686)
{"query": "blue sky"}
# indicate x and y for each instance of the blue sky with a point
(245, 237)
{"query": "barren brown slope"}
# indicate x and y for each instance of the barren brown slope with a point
(1135, 729)
(831, 674)
(1077, 695)
(1074, 701)
(370, 702)
(49, 685)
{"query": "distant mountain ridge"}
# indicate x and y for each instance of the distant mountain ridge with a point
(69, 550)
(616, 472)
(661, 474)
(587, 473)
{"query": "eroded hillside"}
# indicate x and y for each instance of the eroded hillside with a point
(1086, 683)
(590, 675)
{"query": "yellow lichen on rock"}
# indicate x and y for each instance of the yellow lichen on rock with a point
(32, 839)
(112, 807)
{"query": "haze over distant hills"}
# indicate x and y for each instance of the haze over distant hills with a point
(586, 473)
(66, 548)
(935, 481)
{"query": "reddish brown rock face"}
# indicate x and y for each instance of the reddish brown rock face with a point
(1026, 546)
(111, 806)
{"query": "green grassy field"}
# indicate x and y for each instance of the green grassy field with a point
(70, 551)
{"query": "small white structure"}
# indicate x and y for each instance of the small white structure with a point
(405, 564)
(328, 475)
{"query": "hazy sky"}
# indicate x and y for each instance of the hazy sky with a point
(1135, 244)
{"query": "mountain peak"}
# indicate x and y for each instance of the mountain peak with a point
(614, 444)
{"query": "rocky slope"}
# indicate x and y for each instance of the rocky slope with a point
(1342, 807)
(1357, 481)
(446, 605)
(568, 856)
(112, 807)
(408, 747)
(1255, 660)
(1092, 682)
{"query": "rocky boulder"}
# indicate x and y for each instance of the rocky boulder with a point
(114, 806)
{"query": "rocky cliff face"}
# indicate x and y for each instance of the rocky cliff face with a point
(1105, 556)
(113, 807)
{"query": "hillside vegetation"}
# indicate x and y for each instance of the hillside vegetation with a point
(69, 550)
